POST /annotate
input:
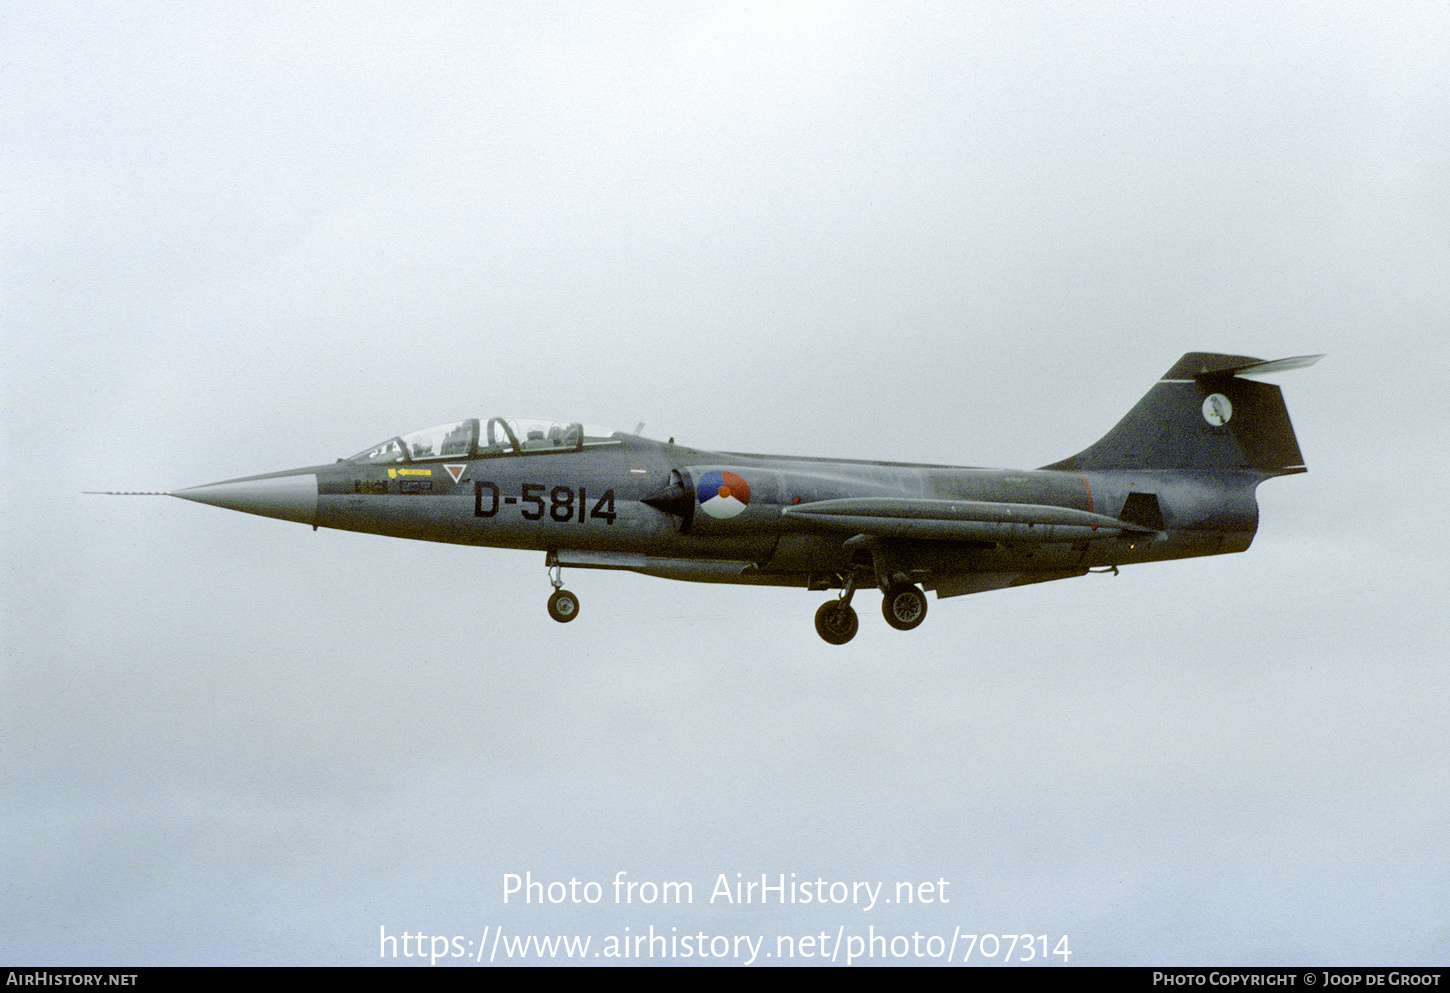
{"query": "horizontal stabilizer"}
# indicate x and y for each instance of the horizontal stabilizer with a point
(1279, 365)
(1196, 365)
(959, 520)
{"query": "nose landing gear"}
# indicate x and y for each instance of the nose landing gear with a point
(563, 605)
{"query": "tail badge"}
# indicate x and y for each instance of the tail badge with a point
(1217, 410)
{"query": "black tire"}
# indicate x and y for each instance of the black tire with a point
(835, 623)
(904, 606)
(563, 606)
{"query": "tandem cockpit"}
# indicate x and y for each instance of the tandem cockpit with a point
(480, 438)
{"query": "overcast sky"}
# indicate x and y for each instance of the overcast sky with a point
(250, 237)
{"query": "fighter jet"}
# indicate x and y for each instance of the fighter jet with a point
(1176, 478)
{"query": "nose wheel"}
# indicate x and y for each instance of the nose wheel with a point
(563, 605)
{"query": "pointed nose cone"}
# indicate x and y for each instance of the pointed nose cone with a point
(292, 497)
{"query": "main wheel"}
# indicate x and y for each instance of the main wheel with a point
(563, 606)
(836, 622)
(904, 606)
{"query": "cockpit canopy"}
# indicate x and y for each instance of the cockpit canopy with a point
(479, 438)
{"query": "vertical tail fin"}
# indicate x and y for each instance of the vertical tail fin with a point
(1202, 415)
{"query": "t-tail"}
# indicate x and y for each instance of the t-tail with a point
(1203, 415)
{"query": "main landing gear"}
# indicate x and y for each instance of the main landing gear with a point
(904, 607)
(563, 605)
(836, 620)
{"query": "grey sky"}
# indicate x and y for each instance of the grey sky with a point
(262, 237)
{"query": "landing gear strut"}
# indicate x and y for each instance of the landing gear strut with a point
(836, 620)
(563, 605)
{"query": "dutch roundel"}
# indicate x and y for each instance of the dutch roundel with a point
(722, 494)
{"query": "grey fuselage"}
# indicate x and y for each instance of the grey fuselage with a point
(587, 508)
(1174, 478)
